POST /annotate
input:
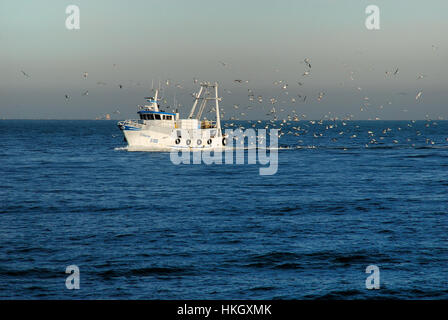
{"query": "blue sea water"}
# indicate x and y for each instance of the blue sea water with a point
(140, 227)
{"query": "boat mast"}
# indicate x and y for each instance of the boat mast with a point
(203, 105)
(218, 116)
(207, 96)
(195, 103)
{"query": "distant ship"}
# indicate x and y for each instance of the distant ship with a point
(157, 130)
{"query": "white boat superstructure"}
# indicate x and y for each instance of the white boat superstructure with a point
(157, 130)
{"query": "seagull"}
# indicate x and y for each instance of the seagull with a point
(120, 86)
(85, 74)
(25, 74)
(321, 95)
(396, 72)
(307, 62)
(67, 97)
(418, 95)
(86, 93)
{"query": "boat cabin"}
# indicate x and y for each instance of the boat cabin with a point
(156, 115)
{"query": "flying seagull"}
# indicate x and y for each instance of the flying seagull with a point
(418, 95)
(25, 74)
(307, 62)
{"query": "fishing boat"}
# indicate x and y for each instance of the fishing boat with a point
(158, 130)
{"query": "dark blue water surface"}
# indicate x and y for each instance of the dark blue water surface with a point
(140, 227)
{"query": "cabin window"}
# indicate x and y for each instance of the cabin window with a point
(157, 116)
(169, 117)
(150, 116)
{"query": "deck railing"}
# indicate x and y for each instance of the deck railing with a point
(132, 122)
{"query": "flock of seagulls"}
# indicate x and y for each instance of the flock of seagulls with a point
(366, 104)
(283, 109)
(343, 130)
(285, 122)
(84, 76)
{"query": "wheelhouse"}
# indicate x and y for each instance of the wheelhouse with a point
(156, 115)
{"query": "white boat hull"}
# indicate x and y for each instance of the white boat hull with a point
(165, 139)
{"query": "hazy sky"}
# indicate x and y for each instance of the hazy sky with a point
(133, 43)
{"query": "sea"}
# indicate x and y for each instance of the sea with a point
(346, 195)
